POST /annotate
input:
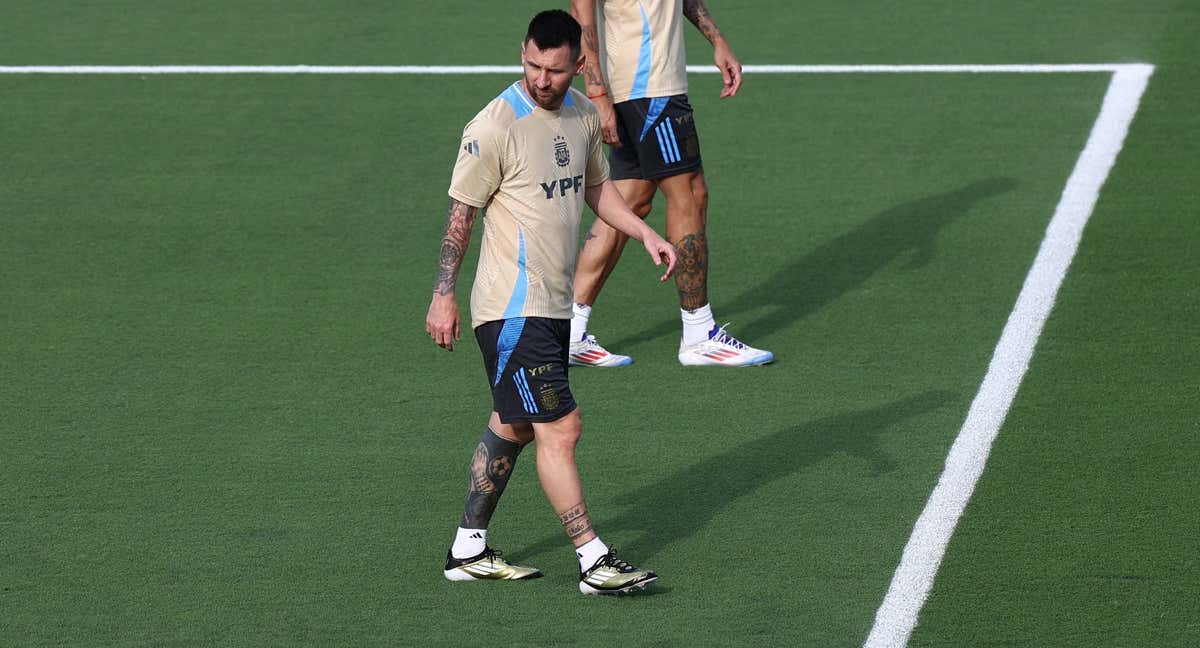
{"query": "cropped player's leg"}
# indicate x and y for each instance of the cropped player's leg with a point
(508, 347)
(556, 441)
(600, 570)
(702, 341)
(686, 223)
(491, 466)
(602, 249)
(603, 245)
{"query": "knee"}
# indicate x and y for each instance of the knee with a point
(523, 434)
(562, 436)
(519, 433)
(557, 448)
(571, 430)
(642, 208)
(700, 195)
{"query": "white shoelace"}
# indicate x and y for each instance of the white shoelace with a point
(723, 337)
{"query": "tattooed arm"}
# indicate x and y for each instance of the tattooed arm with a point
(723, 58)
(442, 321)
(584, 12)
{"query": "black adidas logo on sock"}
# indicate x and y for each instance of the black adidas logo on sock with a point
(476, 536)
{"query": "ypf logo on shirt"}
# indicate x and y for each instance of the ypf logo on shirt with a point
(562, 154)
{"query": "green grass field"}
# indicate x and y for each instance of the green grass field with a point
(224, 425)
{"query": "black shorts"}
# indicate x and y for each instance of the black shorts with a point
(526, 363)
(658, 139)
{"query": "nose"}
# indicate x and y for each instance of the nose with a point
(543, 80)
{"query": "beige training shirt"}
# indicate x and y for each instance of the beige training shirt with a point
(527, 167)
(641, 48)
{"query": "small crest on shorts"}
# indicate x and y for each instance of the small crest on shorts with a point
(548, 397)
(562, 154)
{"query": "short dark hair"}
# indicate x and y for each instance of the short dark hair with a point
(554, 28)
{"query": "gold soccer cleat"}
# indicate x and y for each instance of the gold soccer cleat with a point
(488, 565)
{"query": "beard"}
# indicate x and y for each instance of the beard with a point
(548, 100)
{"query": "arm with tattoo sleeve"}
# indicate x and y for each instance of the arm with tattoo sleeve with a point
(723, 57)
(584, 12)
(442, 321)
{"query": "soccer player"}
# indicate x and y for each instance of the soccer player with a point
(637, 45)
(531, 159)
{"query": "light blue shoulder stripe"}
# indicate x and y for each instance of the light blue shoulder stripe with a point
(522, 105)
(641, 79)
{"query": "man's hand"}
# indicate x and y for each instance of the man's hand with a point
(608, 120)
(661, 252)
(442, 321)
(605, 199)
(730, 67)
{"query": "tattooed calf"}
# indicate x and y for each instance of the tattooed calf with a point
(491, 466)
(691, 271)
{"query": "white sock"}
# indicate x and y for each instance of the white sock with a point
(579, 322)
(697, 324)
(469, 542)
(589, 552)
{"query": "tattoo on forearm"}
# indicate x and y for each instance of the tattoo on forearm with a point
(697, 13)
(576, 520)
(691, 271)
(591, 51)
(491, 466)
(591, 40)
(460, 219)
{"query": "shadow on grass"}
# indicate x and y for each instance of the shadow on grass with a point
(843, 264)
(680, 504)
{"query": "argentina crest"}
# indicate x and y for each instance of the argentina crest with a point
(562, 154)
(548, 397)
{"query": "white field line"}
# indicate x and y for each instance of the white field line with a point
(516, 69)
(897, 615)
(922, 556)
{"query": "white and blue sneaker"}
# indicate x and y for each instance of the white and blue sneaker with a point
(588, 353)
(722, 350)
